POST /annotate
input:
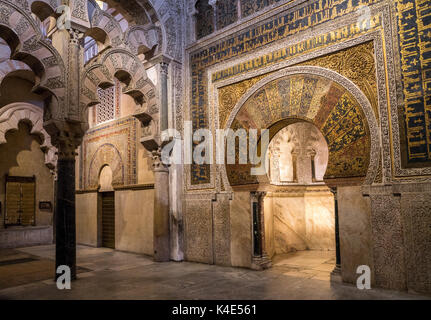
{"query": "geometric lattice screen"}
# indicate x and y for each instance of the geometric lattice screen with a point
(109, 108)
(106, 109)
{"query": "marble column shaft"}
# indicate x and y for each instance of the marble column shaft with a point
(337, 232)
(164, 117)
(65, 221)
(161, 210)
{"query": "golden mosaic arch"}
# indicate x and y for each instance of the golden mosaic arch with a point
(318, 100)
(355, 63)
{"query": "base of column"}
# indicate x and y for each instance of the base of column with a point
(261, 263)
(336, 274)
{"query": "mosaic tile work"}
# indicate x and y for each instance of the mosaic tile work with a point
(333, 110)
(414, 32)
(204, 19)
(276, 28)
(249, 7)
(356, 63)
(227, 13)
(113, 144)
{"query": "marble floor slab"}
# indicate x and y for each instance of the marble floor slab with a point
(108, 274)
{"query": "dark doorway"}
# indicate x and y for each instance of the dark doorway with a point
(108, 219)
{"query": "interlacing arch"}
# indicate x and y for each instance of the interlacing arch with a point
(118, 58)
(28, 44)
(13, 114)
(160, 16)
(144, 40)
(103, 21)
(138, 39)
(123, 65)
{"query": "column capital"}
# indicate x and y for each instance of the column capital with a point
(76, 36)
(258, 195)
(159, 59)
(66, 137)
(158, 164)
(164, 67)
(334, 191)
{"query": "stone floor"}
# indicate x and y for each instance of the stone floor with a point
(316, 265)
(108, 274)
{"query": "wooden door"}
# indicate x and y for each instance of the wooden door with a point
(108, 220)
(20, 201)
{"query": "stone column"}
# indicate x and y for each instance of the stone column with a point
(336, 273)
(67, 128)
(295, 154)
(164, 108)
(65, 224)
(263, 261)
(312, 155)
(74, 70)
(161, 209)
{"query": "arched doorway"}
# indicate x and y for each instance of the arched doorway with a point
(338, 110)
(299, 208)
(106, 209)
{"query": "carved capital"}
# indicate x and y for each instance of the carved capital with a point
(66, 136)
(76, 37)
(158, 165)
(334, 191)
(164, 68)
(258, 196)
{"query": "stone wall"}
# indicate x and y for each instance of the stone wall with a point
(208, 229)
(356, 244)
(87, 219)
(400, 220)
(25, 237)
(134, 215)
(416, 218)
(133, 220)
(241, 230)
(25, 159)
(302, 220)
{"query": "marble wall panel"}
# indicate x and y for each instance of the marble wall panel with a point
(86, 219)
(355, 232)
(303, 221)
(320, 220)
(134, 214)
(198, 230)
(416, 217)
(388, 242)
(221, 218)
(289, 224)
(240, 228)
(269, 226)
